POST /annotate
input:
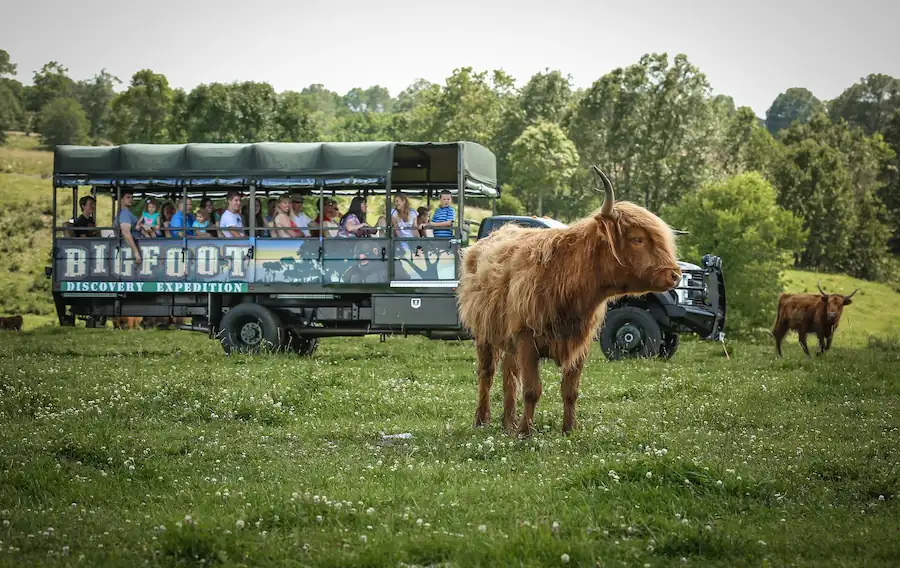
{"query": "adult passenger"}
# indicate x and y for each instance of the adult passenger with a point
(85, 222)
(230, 224)
(300, 218)
(128, 223)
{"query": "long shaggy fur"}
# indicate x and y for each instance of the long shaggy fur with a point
(549, 287)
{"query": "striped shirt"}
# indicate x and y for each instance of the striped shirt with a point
(442, 214)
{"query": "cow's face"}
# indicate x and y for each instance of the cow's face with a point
(645, 247)
(834, 306)
(652, 263)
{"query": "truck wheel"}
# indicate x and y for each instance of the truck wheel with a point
(630, 332)
(249, 328)
(302, 345)
(669, 345)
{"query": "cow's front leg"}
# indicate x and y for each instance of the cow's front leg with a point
(570, 383)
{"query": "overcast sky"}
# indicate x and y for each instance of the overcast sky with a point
(749, 50)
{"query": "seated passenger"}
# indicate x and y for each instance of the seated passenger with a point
(179, 219)
(283, 218)
(403, 218)
(128, 223)
(330, 209)
(270, 212)
(353, 223)
(150, 223)
(201, 223)
(165, 220)
(443, 216)
(421, 221)
(301, 220)
(231, 224)
(207, 204)
(85, 221)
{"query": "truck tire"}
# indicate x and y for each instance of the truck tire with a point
(301, 345)
(669, 345)
(630, 332)
(250, 328)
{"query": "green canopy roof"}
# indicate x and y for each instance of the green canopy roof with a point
(408, 163)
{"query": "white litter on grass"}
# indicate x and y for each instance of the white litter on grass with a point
(387, 439)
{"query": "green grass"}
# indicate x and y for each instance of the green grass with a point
(21, 155)
(152, 448)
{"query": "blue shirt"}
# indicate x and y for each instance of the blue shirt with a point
(441, 215)
(177, 220)
(127, 217)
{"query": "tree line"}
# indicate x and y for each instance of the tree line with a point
(655, 126)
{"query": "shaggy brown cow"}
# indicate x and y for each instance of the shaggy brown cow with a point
(532, 294)
(11, 322)
(805, 313)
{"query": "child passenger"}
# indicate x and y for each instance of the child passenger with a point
(149, 220)
(201, 222)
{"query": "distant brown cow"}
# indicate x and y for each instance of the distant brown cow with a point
(122, 322)
(809, 313)
(530, 294)
(11, 322)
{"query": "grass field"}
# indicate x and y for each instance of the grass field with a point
(151, 448)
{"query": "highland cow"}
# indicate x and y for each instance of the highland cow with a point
(804, 313)
(530, 294)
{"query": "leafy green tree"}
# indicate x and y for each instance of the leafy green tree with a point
(95, 96)
(10, 97)
(543, 159)
(63, 121)
(739, 220)
(546, 97)
(797, 104)
(509, 204)
(650, 126)
(746, 145)
(7, 67)
(10, 111)
(868, 103)
(143, 112)
(293, 122)
(374, 99)
(50, 83)
(831, 176)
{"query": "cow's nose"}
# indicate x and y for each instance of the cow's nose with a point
(676, 277)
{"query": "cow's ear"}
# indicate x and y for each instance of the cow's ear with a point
(847, 301)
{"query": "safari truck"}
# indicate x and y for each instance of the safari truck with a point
(253, 290)
(649, 326)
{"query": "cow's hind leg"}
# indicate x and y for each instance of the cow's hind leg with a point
(802, 335)
(485, 371)
(510, 390)
(529, 371)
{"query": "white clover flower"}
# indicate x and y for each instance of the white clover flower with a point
(239, 524)
(564, 558)
(482, 528)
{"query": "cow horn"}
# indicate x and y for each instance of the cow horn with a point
(820, 289)
(610, 197)
(851, 294)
